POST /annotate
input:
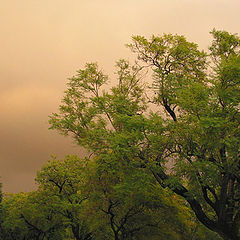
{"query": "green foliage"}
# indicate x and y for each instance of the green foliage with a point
(126, 208)
(29, 216)
(224, 45)
(159, 148)
(192, 147)
(175, 63)
(63, 184)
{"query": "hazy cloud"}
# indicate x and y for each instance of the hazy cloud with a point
(42, 43)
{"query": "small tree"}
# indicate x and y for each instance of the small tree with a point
(61, 181)
(28, 216)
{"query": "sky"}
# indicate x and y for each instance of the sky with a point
(44, 42)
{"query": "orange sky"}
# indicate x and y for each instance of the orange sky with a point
(42, 43)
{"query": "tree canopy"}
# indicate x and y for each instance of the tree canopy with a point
(179, 127)
(79, 199)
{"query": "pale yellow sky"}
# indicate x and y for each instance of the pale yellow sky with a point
(42, 43)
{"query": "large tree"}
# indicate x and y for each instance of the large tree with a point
(181, 126)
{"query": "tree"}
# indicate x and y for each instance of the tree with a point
(29, 216)
(183, 129)
(62, 182)
(126, 205)
(56, 210)
(97, 202)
